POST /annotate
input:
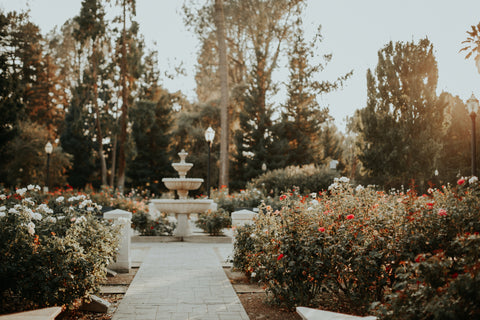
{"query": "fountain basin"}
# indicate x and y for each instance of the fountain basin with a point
(182, 183)
(182, 206)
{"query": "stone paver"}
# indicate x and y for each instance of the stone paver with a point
(180, 280)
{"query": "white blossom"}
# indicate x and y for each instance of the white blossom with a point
(472, 180)
(2, 214)
(3, 197)
(44, 208)
(36, 216)
(21, 192)
(31, 228)
(359, 188)
(12, 210)
(28, 201)
(80, 220)
(30, 187)
(3, 208)
(51, 219)
(60, 199)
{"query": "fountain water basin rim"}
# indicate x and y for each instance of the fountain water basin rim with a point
(182, 206)
(182, 183)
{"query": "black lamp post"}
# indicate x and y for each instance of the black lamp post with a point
(209, 136)
(472, 107)
(48, 151)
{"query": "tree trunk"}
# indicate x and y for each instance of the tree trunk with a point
(223, 68)
(98, 126)
(123, 117)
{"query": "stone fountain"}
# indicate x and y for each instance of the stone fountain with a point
(183, 206)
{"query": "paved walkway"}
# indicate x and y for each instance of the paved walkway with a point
(180, 280)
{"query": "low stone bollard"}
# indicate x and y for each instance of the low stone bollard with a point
(315, 314)
(242, 217)
(124, 219)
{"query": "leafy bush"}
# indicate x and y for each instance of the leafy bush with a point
(213, 222)
(54, 250)
(362, 246)
(306, 179)
(439, 285)
(243, 248)
(250, 198)
(142, 222)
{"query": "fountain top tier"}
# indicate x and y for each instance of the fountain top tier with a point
(182, 167)
(182, 184)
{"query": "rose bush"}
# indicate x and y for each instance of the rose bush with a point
(213, 222)
(356, 244)
(54, 249)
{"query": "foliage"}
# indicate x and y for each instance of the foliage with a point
(399, 127)
(213, 222)
(54, 249)
(248, 198)
(308, 178)
(302, 117)
(146, 226)
(152, 122)
(27, 158)
(362, 246)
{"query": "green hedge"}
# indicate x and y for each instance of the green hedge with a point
(306, 179)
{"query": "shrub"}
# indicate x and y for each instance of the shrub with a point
(362, 246)
(243, 248)
(52, 254)
(306, 179)
(213, 222)
(142, 222)
(250, 198)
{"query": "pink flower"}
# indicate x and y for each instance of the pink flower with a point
(321, 229)
(280, 256)
(460, 181)
(350, 217)
(442, 212)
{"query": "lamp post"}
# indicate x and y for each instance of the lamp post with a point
(209, 136)
(472, 107)
(48, 151)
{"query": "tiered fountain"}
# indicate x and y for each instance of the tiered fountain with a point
(183, 206)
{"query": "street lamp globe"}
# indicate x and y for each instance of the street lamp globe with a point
(209, 135)
(48, 148)
(472, 104)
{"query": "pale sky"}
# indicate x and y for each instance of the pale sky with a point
(353, 30)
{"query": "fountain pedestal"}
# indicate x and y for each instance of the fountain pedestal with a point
(184, 206)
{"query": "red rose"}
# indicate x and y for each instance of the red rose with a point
(321, 229)
(280, 256)
(461, 181)
(350, 217)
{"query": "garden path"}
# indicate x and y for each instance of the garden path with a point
(180, 280)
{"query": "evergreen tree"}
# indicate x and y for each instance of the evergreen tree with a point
(400, 124)
(76, 140)
(455, 159)
(302, 117)
(151, 130)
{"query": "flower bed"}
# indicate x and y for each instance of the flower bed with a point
(54, 249)
(397, 255)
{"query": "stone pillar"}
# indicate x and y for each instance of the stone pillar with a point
(123, 218)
